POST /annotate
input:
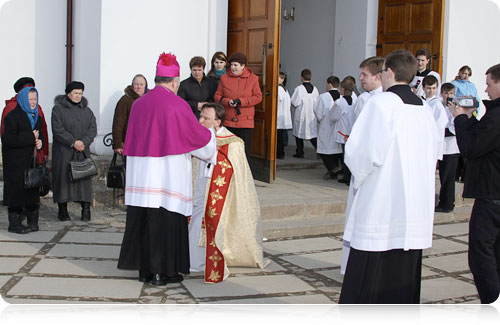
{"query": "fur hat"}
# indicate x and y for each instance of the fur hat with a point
(238, 57)
(74, 85)
(23, 82)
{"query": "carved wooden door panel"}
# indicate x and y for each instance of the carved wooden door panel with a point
(411, 25)
(254, 29)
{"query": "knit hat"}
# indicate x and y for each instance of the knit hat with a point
(23, 82)
(238, 57)
(74, 85)
(167, 66)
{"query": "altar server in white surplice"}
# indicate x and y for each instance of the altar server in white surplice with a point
(369, 77)
(431, 84)
(343, 114)
(284, 120)
(392, 153)
(305, 124)
(328, 148)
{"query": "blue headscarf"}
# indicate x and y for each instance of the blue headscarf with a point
(24, 103)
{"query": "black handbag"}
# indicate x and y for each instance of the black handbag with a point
(81, 169)
(116, 174)
(38, 176)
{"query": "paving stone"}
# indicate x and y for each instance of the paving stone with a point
(4, 279)
(19, 249)
(304, 299)
(315, 260)
(74, 287)
(427, 272)
(92, 238)
(272, 267)
(452, 229)
(75, 250)
(441, 246)
(54, 301)
(12, 264)
(37, 236)
(333, 274)
(301, 245)
(245, 286)
(79, 267)
(445, 288)
(463, 238)
(449, 263)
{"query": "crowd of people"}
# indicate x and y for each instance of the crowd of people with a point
(190, 196)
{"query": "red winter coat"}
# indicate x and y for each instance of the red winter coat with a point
(10, 104)
(244, 87)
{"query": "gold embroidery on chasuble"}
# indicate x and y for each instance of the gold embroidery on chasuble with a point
(214, 276)
(216, 196)
(224, 165)
(220, 181)
(211, 212)
(215, 258)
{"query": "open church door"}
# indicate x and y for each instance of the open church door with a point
(254, 29)
(412, 25)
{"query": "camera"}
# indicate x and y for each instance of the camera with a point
(466, 102)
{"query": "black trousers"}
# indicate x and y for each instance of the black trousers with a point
(155, 241)
(280, 145)
(246, 135)
(300, 145)
(331, 161)
(387, 277)
(484, 249)
(447, 171)
(345, 170)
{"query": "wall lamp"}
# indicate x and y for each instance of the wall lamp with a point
(289, 14)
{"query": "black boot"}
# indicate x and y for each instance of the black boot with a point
(33, 218)
(85, 211)
(63, 212)
(15, 224)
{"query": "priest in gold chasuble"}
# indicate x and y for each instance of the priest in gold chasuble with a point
(225, 228)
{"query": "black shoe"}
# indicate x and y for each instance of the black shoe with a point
(85, 211)
(159, 279)
(63, 214)
(145, 276)
(299, 155)
(15, 224)
(32, 217)
(329, 175)
(343, 181)
(443, 210)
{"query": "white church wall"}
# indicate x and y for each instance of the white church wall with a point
(471, 38)
(355, 36)
(133, 35)
(307, 42)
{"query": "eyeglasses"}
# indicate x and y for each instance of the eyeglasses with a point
(383, 70)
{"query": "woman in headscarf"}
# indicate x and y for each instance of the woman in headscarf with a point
(74, 129)
(138, 88)
(21, 139)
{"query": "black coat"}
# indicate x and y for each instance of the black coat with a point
(18, 145)
(479, 143)
(70, 122)
(193, 92)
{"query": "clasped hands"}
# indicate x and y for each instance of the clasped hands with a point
(78, 145)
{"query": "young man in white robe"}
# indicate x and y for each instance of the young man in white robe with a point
(328, 148)
(392, 153)
(162, 136)
(284, 120)
(225, 228)
(370, 81)
(305, 124)
(448, 166)
(423, 59)
(430, 84)
(342, 113)
(369, 77)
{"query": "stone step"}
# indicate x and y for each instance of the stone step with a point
(334, 224)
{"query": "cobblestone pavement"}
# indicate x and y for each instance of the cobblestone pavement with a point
(75, 262)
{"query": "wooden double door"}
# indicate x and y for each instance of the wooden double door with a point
(254, 29)
(411, 25)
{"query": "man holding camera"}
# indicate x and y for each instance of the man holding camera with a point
(479, 143)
